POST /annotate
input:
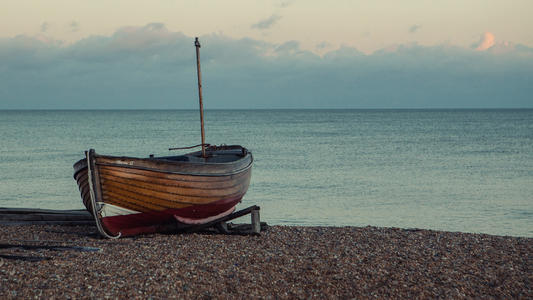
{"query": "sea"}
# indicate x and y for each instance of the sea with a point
(461, 170)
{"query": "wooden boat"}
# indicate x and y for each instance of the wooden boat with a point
(129, 195)
(135, 195)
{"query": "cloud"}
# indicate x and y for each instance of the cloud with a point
(267, 23)
(414, 28)
(149, 35)
(153, 67)
(285, 4)
(289, 47)
(486, 41)
(74, 26)
(322, 45)
(44, 26)
(344, 53)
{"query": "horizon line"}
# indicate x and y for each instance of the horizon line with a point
(237, 109)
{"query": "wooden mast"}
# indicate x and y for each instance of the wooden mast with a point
(197, 45)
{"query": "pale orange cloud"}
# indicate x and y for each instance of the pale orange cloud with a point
(486, 41)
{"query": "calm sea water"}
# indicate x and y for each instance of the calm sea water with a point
(455, 170)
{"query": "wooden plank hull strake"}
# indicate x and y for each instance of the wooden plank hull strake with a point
(136, 195)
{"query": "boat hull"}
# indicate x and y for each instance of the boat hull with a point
(139, 195)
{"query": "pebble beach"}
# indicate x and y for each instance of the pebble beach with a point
(283, 262)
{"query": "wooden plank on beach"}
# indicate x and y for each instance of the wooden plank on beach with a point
(66, 223)
(37, 216)
(44, 217)
(50, 247)
(17, 210)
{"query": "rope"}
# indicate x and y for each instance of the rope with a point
(96, 213)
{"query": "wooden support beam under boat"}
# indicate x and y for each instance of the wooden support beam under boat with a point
(35, 216)
(219, 223)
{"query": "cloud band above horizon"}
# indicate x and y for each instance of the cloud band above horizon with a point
(152, 67)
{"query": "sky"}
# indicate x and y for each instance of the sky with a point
(97, 54)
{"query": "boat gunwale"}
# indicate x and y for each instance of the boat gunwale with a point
(176, 163)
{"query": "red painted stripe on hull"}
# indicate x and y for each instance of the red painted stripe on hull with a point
(149, 222)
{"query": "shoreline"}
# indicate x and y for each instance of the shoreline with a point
(283, 262)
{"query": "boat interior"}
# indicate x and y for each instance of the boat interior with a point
(213, 155)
